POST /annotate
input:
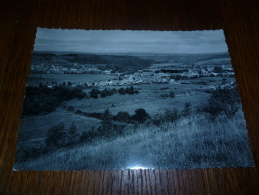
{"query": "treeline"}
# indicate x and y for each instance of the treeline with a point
(171, 71)
(42, 100)
(222, 102)
(139, 116)
(96, 93)
(112, 62)
(126, 64)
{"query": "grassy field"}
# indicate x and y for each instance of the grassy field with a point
(191, 142)
(149, 98)
(35, 79)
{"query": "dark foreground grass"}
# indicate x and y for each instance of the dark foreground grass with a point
(190, 142)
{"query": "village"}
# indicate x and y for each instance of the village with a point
(184, 74)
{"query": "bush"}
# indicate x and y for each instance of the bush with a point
(41, 100)
(218, 69)
(72, 135)
(140, 115)
(187, 109)
(123, 116)
(103, 95)
(171, 115)
(171, 94)
(122, 91)
(131, 90)
(56, 135)
(94, 93)
(128, 90)
(222, 101)
(164, 95)
(71, 108)
(88, 136)
(29, 152)
(167, 116)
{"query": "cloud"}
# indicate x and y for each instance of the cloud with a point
(102, 41)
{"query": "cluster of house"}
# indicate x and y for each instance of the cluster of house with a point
(147, 76)
(63, 69)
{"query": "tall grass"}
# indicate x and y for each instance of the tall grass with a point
(190, 142)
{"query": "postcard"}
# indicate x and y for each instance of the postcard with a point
(113, 100)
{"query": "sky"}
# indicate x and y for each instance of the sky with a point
(118, 41)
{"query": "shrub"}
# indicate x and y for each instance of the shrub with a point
(88, 136)
(187, 109)
(171, 115)
(123, 116)
(131, 90)
(56, 135)
(164, 95)
(127, 90)
(140, 115)
(122, 91)
(41, 100)
(222, 101)
(103, 95)
(167, 116)
(94, 93)
(71, 108)
(72, 135)
(171, 94)
(218, 69)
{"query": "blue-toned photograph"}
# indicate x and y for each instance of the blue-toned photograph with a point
(113, 100)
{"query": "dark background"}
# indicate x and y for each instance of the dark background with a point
(18, 22)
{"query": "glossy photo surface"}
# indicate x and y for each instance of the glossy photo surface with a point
(112, 100)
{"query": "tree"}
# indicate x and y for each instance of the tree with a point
(107, 116)
(72, 129)
(171, 94)
(103, 94)
(140, 115)
(87, 136)
(72, 134)
(171, 115)
(131, 90)
(122, 91)
(222, 101)
(127, 90)
(123, 116)
(55, 136)
(187, 109)
(106, 125)
(94, 93)
(218, 69)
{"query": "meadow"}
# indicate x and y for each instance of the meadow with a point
(68, 124)
(190, 142)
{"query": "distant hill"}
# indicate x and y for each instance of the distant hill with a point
(112, 62)
(127, 63)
